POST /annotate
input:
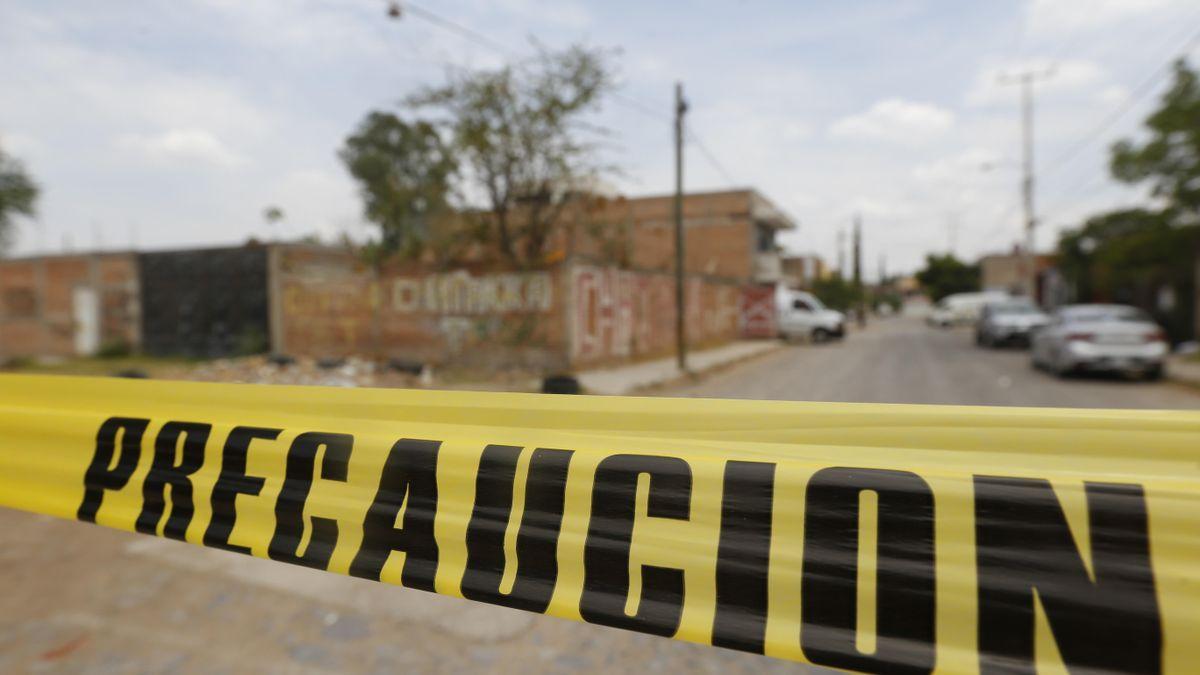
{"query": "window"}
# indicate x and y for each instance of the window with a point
(766, 239)
(801, 305)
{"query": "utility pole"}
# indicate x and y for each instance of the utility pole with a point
(680, 323)
(841, 253)
(1026, 80)
(858, 285)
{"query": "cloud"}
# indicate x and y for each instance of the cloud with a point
(966, 167)
(1055, 17)
(895, 120)
(181, 146)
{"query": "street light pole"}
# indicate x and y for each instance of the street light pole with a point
(1026, 80)
(680, 323)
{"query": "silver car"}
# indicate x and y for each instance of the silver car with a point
(1109, 338)
(1008, 322)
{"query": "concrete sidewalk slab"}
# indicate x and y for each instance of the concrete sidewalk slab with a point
(623, 380)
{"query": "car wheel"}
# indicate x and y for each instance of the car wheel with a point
(1155, 373)
(820, 335)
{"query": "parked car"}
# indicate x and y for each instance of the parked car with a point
(1008, 322)
(962, 308)
(1109, 338)
(802, 315)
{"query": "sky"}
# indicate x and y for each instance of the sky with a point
(160, 125)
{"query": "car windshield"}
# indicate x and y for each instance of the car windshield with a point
(1103, 314)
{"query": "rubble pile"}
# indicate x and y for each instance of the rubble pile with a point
(350, 372)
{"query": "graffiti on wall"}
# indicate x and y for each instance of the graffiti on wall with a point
(331, 309)
(459, 293)
(621, 314)
(756, 312)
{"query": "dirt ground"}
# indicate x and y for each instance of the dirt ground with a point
(81, 598)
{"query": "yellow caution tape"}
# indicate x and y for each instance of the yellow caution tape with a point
(868, 537)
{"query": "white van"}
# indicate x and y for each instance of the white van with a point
(801, 315)
(962, 308)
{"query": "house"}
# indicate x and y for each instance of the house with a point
(1009, 272)
(729, 234)
(801, 271)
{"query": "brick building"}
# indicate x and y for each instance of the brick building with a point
(728, 234)
(801, 271)
(1007, 272)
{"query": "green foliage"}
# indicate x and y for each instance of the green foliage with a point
(18, 196)
(1134, 256)
(836, 293)
(404, 170)
(1129, 256)
(1170, 158)
(251, 341)
(115, 348)
(522, 136)
(945, 275)
(885, 297)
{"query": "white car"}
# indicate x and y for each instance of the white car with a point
(1108, 338)
(962, 308)
(1009, 322)
(801, 315)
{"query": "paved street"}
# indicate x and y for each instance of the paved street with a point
(901, 360)
(78, 597)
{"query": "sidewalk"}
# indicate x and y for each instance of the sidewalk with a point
(623, 380)
(1184, 370)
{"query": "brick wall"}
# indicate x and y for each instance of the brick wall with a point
(332, 304)
(617, 315)
(639, 233)
(328, 303)
(65, 305)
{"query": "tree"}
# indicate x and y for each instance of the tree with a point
(1170, 158)
(1146, 256)
(405, 172)
(835, 292)
(18, 196)
(521, 135)
(945, 275)
(1130, 256)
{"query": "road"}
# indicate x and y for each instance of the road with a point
(83, 598)
(900, 360)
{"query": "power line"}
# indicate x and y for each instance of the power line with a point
(397, 10)
(1143, 88)
(451, 25)
(712, 159)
